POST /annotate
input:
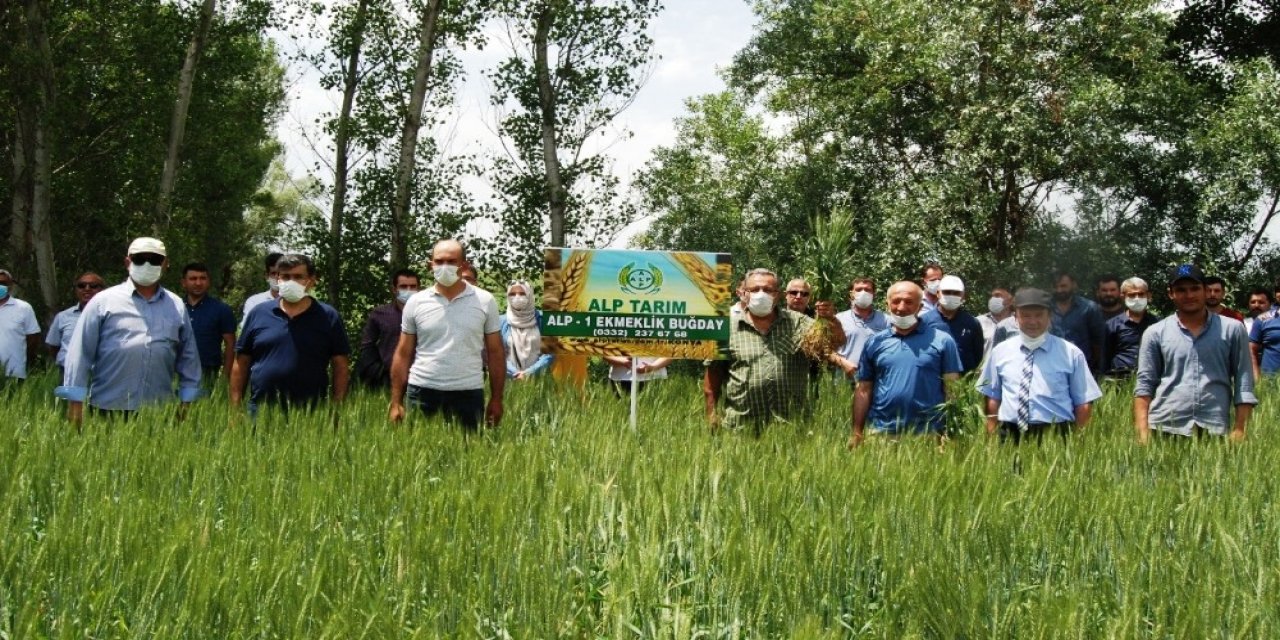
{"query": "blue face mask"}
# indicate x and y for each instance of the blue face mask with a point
(404, 294)
(4, 291)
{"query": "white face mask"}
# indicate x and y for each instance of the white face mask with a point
(403, 295)
(950, 303)
(1136, 305)
(145, 274)
(863, 299)
(995, 305)
(760, 304)
(932, 286)
(273, 284)
(518, 302)
(445, 274)
(292, 290)
(902, 322)
(1034, 343)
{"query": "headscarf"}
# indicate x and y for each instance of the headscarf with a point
(524, 341)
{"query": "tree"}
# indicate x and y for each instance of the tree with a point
(178, 125)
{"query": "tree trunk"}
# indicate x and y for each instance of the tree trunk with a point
(341, 141)
(409, 137)
(178, 122)
(23, 165)
(547, 104)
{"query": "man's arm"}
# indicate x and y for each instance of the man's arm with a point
(1243, 412)
(861, 407)
(1141, 411)
(950, 382)
(400, 375)
(1255, 350)
(82, 354)
(239, 378)
(992, 415)
(497, 381)
(827, 310)
(188, 364)
(341, 377)
(712, 387)
(33, 348)
(228, 353)
(1083, 413)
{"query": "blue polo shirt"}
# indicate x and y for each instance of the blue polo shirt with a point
(211, 319)
(907, 372)
(291, 356)
(965, 330)
(1266, 333)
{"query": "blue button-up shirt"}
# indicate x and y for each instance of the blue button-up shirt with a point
(1060, 380)
(1194, 380)
(1124, 336)
(857, 331)
(211, 319)
(1082, 324)
(126, 349)
(908, 371)
(59, 335)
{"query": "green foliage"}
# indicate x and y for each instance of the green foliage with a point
(562, 523)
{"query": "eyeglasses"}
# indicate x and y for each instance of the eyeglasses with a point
(153, 259)
(88, 285)
(798, 294)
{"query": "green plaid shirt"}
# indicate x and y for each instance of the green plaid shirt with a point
(768, 374)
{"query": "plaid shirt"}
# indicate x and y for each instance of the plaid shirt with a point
(767, 373)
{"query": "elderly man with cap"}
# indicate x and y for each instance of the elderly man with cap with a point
(950, 316)
(19, 331)
(131, 341)
(1039, 381)
(59, 338)
(1192, 367)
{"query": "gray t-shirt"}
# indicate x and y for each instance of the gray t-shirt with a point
(450, 337)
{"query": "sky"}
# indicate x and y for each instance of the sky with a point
(695, 40)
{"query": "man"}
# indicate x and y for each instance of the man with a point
(1264, 340)
(1215, 291)
(286, 350)
(763, 376)
(859, 323)
(1106, 293)
(950, 316)
(904, 372)
(19, 331)
(449, 325)
(468, 274)
(1124, 332)
(931, 274)
(1079, 319)
(1192, 367)
(798, 292)
(130, 342)
(59, 336)
(1045, 379)
(273, 282)
(1259, 303)
(212, 323)
(381, 331)
(999, 307)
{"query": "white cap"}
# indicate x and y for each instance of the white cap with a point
(951, 283)
(147, 245)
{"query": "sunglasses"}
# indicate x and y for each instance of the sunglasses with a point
(88, 285)
(798, 294)
(153, 259)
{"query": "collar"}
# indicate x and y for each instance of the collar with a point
(133, 290)
(1210, 318)
(467, 290)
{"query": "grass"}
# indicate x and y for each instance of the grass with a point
(563, 523)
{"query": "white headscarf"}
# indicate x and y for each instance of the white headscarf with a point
(524, 341)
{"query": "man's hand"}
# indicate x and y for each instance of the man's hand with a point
(519, 376)
(855, 440)
(713, 419)
(825, 309)
(1237, 435)
(75, 413)
(395, 414)
(493, 414)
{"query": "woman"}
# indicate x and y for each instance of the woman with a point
(521, 339)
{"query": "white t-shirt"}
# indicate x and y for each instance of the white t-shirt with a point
(17, 321)
(450, 337)
(623, 374)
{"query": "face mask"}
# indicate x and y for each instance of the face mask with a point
(1034, 343)
(932, 286)
(403, 295)
(902, 322)
(951, 303)
(995, 305)
(273, 284)
(292, 290)
(863, 299)
(4, 291)
(1136, 305)
(145, 274)
(519, 303)
(445, 274)
(760, 304)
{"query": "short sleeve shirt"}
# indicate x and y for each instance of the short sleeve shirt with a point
(450, 337)
(59, 336)
(1265, 332)
(291, 356)
(17, 321)
(857, 331)
(211, 319)
(768, 374)
(907, 372)
(1060, 380)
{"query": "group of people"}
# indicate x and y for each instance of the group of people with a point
(1036, 355)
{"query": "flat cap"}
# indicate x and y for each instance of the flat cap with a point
(1030, 297)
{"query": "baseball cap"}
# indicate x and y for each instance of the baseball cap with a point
(1186, 272)
(951, 283)
(1031, 297)
(147, 245)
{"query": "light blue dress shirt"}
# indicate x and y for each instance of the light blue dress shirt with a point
(1194, 381)
(1060, 380)
(857, 331)
(60, 331)
(126, 349)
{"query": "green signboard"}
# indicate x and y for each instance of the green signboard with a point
(636, 303)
